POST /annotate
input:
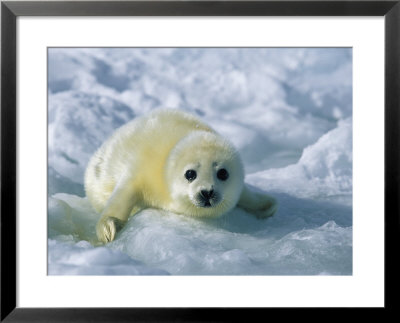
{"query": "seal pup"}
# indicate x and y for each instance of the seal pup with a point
(168, 160)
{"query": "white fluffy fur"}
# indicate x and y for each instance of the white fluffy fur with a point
(143, 165)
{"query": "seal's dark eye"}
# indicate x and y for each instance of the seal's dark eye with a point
(223, 174)
(190, 175)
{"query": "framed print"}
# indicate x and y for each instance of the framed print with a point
(192, 160)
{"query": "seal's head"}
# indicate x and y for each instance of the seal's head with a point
(204, 174)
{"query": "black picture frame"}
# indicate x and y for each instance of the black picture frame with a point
(10, 10)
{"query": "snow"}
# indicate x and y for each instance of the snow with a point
(323, 171)
(287, 110)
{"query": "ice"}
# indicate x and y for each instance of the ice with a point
(287, 110)
(235, 244)
(67, 258)
(305, 242)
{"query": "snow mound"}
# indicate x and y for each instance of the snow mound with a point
(78, 123)
(324, 170)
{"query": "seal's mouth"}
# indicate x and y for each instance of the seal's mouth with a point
(207, 204)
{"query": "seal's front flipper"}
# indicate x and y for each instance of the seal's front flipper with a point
(107, 228)
(259, 204)
(119, 206)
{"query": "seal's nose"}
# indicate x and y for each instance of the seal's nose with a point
(207, 194)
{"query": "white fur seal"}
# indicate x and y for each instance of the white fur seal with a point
(168, 160)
